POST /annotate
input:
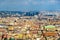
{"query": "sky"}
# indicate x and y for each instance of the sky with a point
(29, 5)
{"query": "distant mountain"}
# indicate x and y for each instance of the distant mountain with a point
(30, 13)
(17, 13)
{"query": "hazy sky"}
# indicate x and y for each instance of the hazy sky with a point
(29, 5)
